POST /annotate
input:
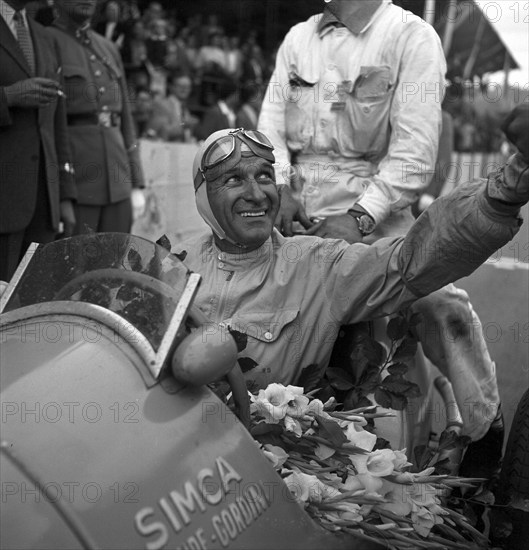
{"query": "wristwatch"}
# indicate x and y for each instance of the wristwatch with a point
(366, 224)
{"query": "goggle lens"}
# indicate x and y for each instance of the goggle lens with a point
(222, 149)
(218, 152)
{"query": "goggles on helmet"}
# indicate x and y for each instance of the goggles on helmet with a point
(224, 147)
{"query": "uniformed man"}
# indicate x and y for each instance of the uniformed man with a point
(107, 166)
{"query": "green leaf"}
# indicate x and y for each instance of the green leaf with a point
(164, 242)
(406, 350)
(397, 328)
(326, 392)
(394, 401)
(331, 430)
(370, 379)
(246, 363)
(263, 427)
(355, 399)
(447, 440)
(383, 398)
(398, 368)
(367, 348)
(241, 339)
(442, 467)
(309, 377)
(398, 385)
(423, 455)
(339, 379)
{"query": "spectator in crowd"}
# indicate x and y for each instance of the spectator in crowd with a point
(142, 114)
(130, 11)
(192, 52)
(36, 182)
(211, 27)
(153, 11)
(354, 148)
(252, 65)
(157, 43)
(212, 57)
(223, 113)
(110, 25)
(101, 130)
(250, 105)
(234, 56)
(171, 119)
(177, 58)
(134, 48)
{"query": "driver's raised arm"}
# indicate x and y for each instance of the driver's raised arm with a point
(451, 239)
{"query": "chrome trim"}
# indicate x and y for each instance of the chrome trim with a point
(143, 357)
(18, 275)
(178, 318)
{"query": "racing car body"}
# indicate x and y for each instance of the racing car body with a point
(102, 447)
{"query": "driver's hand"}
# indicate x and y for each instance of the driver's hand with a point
(337, 227)
(290, 210)
(515, 127)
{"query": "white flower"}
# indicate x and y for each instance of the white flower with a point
(316, 408)
(349, 511)
(292, 425)
(380, 463)
(423, 520)
(297, 406)
(308, 488)
(276, 455)
(272, 402)
(419, 499)
(401, 460)
(360, 437)
(371, 484)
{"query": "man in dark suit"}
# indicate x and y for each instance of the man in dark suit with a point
(101, 130)
(222, 114)
(36, 175)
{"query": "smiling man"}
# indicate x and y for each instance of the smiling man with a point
(241, 193)
(286, 298)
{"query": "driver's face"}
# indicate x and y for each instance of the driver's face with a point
(245, 202)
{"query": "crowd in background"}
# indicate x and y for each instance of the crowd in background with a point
(189, 78)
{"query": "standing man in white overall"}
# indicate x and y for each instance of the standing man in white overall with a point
(353, 110)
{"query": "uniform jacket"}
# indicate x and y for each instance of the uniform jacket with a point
(25, 134)
(106, 159)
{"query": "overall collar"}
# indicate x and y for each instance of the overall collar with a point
(356, 24)
(240, 261)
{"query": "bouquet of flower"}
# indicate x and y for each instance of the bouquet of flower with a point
(330, 462)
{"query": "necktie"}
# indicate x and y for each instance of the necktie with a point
(24, 40)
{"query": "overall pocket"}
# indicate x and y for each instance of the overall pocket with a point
(366, 114)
